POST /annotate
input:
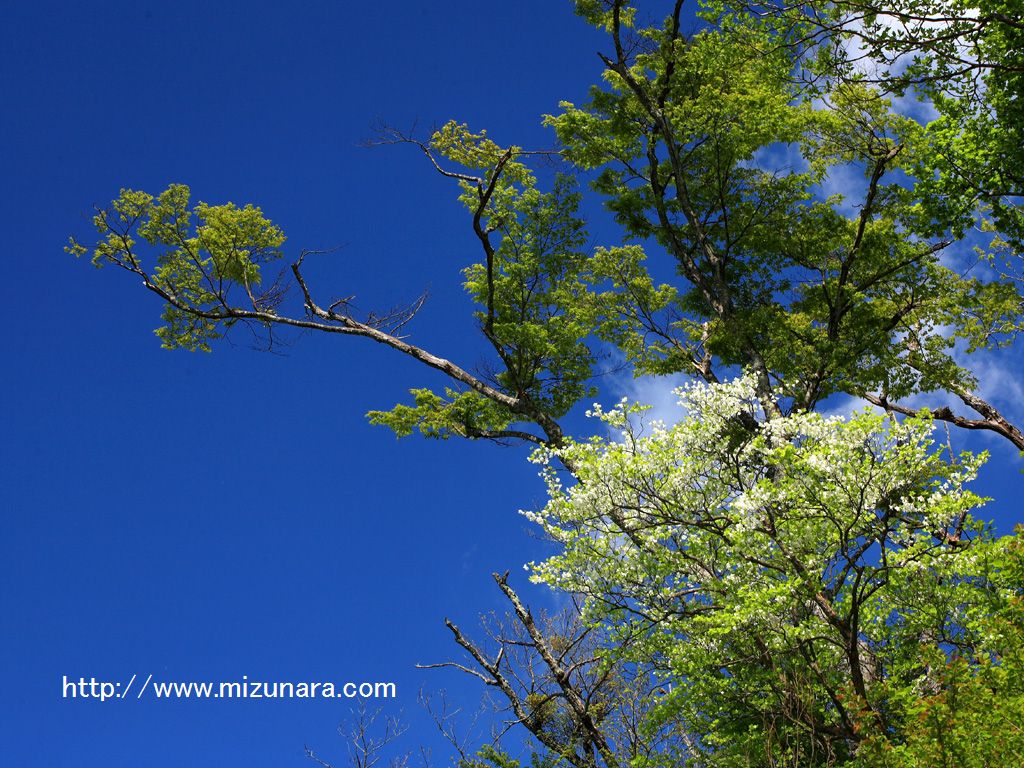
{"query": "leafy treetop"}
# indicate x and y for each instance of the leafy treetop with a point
(820, 233)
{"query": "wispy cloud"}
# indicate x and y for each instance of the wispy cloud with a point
(781, 159)
(848, 181)
(1000, 377)
(657, 392)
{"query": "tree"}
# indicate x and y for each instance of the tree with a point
(973, 716)
(790, 581)
(836, 192)
(817, 293)
(557, 681)
(964, 56)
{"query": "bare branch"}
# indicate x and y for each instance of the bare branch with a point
(994, 421)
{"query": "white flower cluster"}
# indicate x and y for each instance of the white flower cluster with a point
(729, 506)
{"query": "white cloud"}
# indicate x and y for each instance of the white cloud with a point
(999, 382)
(849, 181)
(781, 159)
(656, 392)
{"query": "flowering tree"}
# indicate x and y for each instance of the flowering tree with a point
(784, 579)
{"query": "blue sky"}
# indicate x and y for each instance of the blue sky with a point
(204, 517)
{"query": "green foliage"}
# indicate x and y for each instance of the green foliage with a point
(775, 276)
(488, 757)
(971, 717)
(199, 258)
(540, 320)
(532, 294)
(794, 580)
(465, 414)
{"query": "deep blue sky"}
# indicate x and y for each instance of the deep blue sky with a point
(204, 517)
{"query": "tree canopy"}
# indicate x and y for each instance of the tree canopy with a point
(814, 201)
(780, 582)
(824, 234)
